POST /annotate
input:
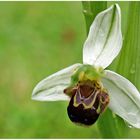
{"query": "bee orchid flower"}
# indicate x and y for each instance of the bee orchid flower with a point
(88, 87)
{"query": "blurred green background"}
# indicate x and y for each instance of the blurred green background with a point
(36, 40)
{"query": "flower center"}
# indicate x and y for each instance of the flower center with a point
(87, 102)
(88, 99)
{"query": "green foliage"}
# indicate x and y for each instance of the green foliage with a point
(130, 57)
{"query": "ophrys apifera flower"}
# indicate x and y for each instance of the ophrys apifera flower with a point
(90, 88)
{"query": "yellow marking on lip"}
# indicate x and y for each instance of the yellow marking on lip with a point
(75, 102)
(82, 102)
(98, 110)
(94, 99)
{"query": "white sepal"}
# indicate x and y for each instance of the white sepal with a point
(104, 41)
(52, 87)
(124, 97)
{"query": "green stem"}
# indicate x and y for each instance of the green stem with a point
(91, 9)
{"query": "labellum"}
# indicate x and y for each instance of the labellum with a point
(88, 101)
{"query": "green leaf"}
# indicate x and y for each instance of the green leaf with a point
(129, 62)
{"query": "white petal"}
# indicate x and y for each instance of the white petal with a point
(51, 88)
(104, 41)
(124, 98)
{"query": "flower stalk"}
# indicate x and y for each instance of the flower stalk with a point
(91, 9)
